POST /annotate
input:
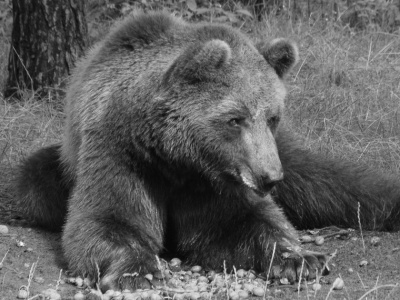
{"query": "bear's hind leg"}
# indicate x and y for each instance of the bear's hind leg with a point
(42, 188)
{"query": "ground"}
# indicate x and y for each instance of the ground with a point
(380, 277)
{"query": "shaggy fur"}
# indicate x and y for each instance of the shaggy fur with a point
(174, 143)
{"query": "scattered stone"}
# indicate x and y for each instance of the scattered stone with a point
(306, 239)
(28, 249)
(149, 277)
(243, 294)
(350, 270)
(363, 263)
(284, 281)
(22, 293)
(79, 282)
(375, 241)
(196, 269)
(51, 294)
(79, 296)
(316, 286)
(234, 295)
(258, 291)
(3, 229)
(241, 273)
(338, 284)
(38, 279)
(319, 240)
(20, 243)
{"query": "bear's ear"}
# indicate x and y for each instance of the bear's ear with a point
(281, 54)
(201, 61)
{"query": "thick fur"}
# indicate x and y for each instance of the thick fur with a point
(174, 142)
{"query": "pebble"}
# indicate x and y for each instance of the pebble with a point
(22, 293)
(363, 263)
(375, 241)
(316, 286)
(195, 269)
(306, 239)
(319, 240)
(155, 297)
(234, 295)
(240, 273)
(79, 296)
(149, 277)
(38, 279)
(338, 284)
(243, 294)
(79, 282)
(51, 294)
(194, 296)
(258, 291)
(4, 230)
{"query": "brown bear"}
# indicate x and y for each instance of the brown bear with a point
(175, 144)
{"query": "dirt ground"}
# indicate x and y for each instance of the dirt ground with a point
(379, 279)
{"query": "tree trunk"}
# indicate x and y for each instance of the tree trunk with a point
(47, 38)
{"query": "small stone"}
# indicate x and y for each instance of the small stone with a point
(4, 230)
(202, 279)
(363, 263)
(179, 296)
(51, 294)
(195, 269)
(306, 239)
(258, 291)
(316, 286)
(196, 275)
(248, 287)
(194, 296)
(149, 277)
(87, 282)
(155, 297)
(319, 240)
(241, 273)
(22, 293)
(79, 282)
(26, 265)
(79, 296)
(375, 241)
(29, 249)
(350, 270)
(354, 238)
(38, 279)
(175, 264)
(284, 281)
(252, 276)
(71, 280)
(203, 289)
(20, 243)
(243, 294)
(338, 284)
(234, 295)
(211, 275)
(205, 295)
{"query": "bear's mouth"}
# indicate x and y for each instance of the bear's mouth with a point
(248, 180)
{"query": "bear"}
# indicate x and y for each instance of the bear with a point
(176, 145)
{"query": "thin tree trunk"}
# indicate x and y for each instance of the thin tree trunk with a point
(47, 38)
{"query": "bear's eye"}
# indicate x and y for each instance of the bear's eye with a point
(235, 122)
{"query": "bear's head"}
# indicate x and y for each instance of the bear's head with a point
(223, 102)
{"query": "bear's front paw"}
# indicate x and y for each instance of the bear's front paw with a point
(306, 263)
